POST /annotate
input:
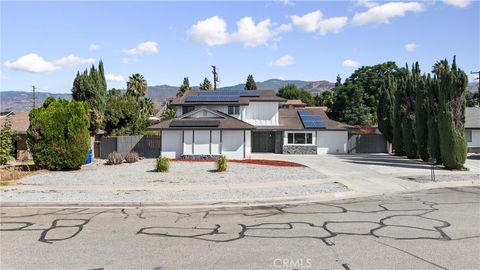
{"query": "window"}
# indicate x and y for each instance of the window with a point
(234, 110)
(300, 138)
(187, 109)
(468, 135)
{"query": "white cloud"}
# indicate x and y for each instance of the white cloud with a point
(144, 48)
(410, 47)
(349, 63)
(35, 63)
(365, 3)
(308, 22)
(283, 61)
(286, 2)
(314, 22)
(72, 60)
(94, 47)
(114, 78)
(383, 13)
(458, 3)
(251, 34)
(211, 31)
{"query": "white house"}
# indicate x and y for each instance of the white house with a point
(472, 129)
(237, 123)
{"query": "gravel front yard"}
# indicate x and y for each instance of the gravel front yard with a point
(142, 173)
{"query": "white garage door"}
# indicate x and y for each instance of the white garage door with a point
(201, 144)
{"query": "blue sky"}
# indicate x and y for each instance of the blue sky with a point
(46, 43)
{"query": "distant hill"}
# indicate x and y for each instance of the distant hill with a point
(19, 101)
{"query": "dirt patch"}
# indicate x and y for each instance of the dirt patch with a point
(10, 174)
(278, 163)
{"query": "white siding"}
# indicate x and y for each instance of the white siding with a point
(215, 142)
(171, 143)
(187, 142)
(202, 114)
(261, 113)
(232, 144)
(332, 142)
(248, 142)
(202, 142)
(178, 109)
(475, 138)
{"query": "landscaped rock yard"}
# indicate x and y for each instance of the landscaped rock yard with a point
(181, 172)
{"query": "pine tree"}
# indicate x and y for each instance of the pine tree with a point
(451, 116)
(339, 81)
(250, 84)
(184, 87)
(385, 109)
(206, 85)
(433, 134)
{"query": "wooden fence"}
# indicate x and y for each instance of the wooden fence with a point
(147, 146)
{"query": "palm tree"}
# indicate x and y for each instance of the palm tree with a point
(137, 86)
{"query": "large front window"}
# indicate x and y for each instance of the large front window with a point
(187, 109)
(300, 138)
(468, 135)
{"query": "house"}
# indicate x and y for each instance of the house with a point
(20, 122)
(294, 103)
(237, 123)
(472, 129)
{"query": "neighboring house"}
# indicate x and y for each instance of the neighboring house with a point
(294, 103)
(238, 123)
(472, 129)
(20, 123)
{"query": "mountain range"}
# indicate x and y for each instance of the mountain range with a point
(22, 101)
(18, 101)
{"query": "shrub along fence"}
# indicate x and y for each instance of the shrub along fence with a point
(147, 146)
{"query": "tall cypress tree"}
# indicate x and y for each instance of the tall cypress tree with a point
(432, 123)
(398, 115)
(409, 139)
(451, 115)
(421, 118)
(385, 109)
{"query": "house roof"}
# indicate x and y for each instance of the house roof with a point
(295, 102)
(290, 120)
(265, 95)
(472, 117)
(216, 120)
(20, 121)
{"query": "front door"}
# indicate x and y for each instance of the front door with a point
(263, 142)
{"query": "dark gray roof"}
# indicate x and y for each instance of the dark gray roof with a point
(472, 117)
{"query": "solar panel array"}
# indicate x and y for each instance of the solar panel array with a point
(194, 123)
(311, 121)
(213, 98)
(240, 93)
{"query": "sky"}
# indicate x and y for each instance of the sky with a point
(46, 43)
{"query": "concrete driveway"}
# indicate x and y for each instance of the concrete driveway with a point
(375, 173)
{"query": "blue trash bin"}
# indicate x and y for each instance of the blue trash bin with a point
(89, 157)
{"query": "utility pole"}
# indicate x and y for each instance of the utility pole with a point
(33, 96)
(215, 78)
(478, 78)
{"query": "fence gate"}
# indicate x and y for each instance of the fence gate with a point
(145, 145)
(367, 143)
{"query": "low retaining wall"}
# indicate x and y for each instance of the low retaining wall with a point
(300, 149)
(200, 157)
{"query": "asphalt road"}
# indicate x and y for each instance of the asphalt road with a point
(435, 229)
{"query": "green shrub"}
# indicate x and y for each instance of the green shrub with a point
(222, 164)
(114, 158)
(132, 157)
(58, 135)
(7, 137)
(163, 164)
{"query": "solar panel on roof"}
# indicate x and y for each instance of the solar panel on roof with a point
(194, 123)
(240, 93)
(216, 98)
(311, 121)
